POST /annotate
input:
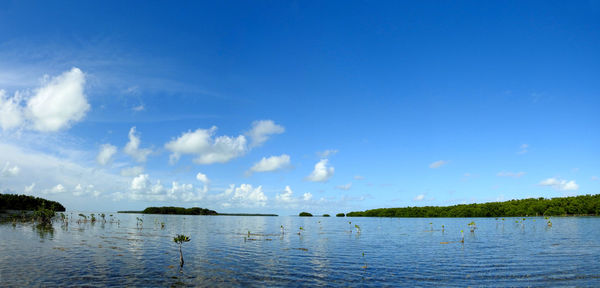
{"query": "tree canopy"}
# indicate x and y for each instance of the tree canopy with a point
(179, 211)
(25, 202)
(563, 206)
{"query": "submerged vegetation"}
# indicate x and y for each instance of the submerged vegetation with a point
(563, 206)
(24, 202)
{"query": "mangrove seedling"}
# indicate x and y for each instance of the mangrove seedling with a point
(472, 226)
(431, 226)
(93, 218)
(180, 239)
(300, 229)
(139, 222)
(282, 230)
(442, 228)
(357, 228)
(44, 216)
(462, 235)
(364, 267)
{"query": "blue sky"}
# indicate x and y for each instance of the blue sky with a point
(281, 106)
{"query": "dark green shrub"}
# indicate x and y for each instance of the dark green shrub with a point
(305, 214)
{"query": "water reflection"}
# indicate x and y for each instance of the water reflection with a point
(327, 253)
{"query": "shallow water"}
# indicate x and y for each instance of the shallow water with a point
(329, 252)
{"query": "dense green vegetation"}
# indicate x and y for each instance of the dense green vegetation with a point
(564, 206)
(189, 211)
(340, 215)
(325, 215)
(179, 211)
(24, 202)
(305, 214)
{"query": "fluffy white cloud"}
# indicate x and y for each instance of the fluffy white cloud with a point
(132, 148)
(106, 153)
(560, 184)
(307, 196)
(262, 130)
(49, 170)
(438, 164)
(202, 178)
(9, 171)
(11, 113)
(344, 187)
(140, 182)
(55, 190)
(321, 173)
(207, 149)
(89, 189)
(286, 196)
(132, 171)
(247, 196)
(419, 197)
(59, 102)
(271, 164)
(327, 153)
(29, 189)
(510, 174)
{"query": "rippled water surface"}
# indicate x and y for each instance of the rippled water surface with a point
(328, 252)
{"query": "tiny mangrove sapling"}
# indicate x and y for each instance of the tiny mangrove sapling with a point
(180, 239)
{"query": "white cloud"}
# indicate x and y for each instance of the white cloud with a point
(59, 102)
(261, 130)
(207, 150)
(11, 114)
(307, 196)
(106, 153)
(9, 171)
(438, 164)
(560, 184)
(87, 190)
(510, 174)
(358, 177)
(327, 153)
(344, 187)
(202, 178)
(140, 182)
(286, 196)
(132, 171)
(595, 178)
(48, 170)
(524, 148)
(271, 164)
(55, 190)
(247, 196)
(321, 173)
(419, 197)
(29, 189)
(132, 148)
(138, 108)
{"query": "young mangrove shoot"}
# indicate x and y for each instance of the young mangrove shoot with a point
(180, 239)
(462, 235)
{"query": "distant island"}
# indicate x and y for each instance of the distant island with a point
(189, 211)
(585, 205)
(29, 203)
